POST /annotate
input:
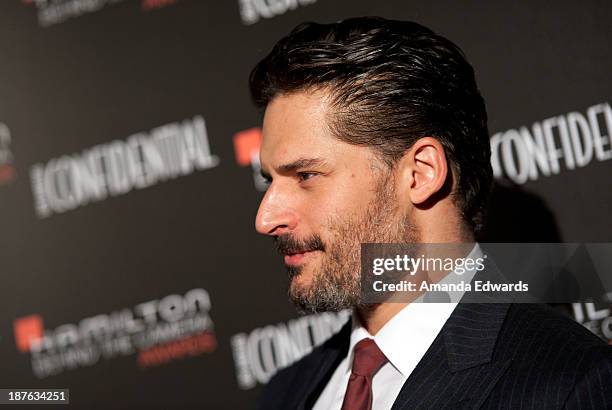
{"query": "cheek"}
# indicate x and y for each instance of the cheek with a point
(352, 198)
(342, 218)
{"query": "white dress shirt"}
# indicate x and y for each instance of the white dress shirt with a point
(404, 340)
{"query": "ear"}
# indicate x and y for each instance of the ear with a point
(423, 170)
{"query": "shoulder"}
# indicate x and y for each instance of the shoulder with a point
(592, 388)
(531, 324)
(552, 356)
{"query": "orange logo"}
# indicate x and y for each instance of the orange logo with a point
(246, 145)
(27, 329)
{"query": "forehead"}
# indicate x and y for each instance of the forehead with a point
(295, 125)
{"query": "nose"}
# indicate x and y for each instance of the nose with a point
(275, 216)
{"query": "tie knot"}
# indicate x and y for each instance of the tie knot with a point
(368, 358)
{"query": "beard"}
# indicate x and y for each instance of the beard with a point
(336, 283)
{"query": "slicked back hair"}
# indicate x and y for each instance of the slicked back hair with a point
(390, 83)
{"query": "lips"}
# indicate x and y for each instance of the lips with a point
(297, 258)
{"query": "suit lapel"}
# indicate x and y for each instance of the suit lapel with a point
(318, 369)
(458, 370)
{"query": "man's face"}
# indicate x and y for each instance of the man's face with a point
(326, 198)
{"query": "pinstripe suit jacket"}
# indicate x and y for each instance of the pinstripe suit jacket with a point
(487, 356)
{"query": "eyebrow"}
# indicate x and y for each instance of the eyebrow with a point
(301, 163)
(295, 165)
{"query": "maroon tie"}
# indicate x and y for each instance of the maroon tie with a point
(366, 361)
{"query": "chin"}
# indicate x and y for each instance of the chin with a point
(301, 282)
(302, 279)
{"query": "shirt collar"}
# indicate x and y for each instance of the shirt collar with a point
(405, 338)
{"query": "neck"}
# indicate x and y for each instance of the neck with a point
(374, 317)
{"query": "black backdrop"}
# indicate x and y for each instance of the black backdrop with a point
(80, 78)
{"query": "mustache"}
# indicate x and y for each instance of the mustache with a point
(287, 244)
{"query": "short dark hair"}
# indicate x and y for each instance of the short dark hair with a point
(391, 83)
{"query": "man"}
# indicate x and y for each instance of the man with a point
(375, 131)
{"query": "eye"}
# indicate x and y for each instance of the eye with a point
(305, 176)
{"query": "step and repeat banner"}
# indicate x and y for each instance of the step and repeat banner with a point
(131, 273)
